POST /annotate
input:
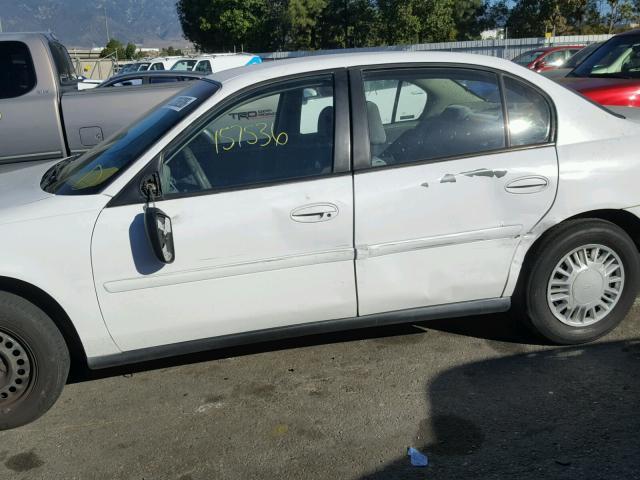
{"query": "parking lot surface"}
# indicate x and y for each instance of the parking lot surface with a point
(480, 396)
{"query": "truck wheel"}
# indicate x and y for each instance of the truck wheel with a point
(34, 362)
(582, 282)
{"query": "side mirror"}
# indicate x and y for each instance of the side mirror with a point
(160, 234)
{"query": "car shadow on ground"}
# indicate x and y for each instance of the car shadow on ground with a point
(500, 328)
(561, 413)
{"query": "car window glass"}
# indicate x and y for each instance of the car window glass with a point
(555, 58)
(63, 64)
(454, 112)
(17, 75)
(203, 66)
(529, 114)
(165, 79)
(314, 102)
(127, 83)
(264, 138)
(157, 66)
(383, 94)
(411, 102)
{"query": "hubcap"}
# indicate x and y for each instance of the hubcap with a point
(585, 285)
(15, 369)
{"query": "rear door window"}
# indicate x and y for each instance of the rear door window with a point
(17, 74)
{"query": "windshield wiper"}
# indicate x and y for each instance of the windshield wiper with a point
(51, 175)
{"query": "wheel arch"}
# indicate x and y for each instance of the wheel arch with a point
(624, 219)
(54, 310)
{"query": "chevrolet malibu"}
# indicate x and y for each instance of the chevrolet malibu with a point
(317, 195)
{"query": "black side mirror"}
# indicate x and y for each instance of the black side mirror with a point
(160, 234)
(157, 223)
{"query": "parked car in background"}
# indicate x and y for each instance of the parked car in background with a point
(611, 75)
(315, 195)
(42, 113)
(573, 62)
(149, 78)
(547, 58)
(162, 63)
(133, 67)
(216, 62)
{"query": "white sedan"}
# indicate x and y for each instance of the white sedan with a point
(316, 195)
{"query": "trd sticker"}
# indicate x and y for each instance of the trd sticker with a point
(252, 114)
(179, 103)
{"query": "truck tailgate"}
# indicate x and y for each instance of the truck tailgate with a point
(93, 115)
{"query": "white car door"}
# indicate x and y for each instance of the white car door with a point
(443, 193)
(262, 211)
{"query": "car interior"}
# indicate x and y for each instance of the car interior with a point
(263, 140)
(252, 145)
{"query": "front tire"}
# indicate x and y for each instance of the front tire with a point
(34, 362)
(583, 280)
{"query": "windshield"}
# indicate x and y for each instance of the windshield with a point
(619, 58)
(184, 65)
(94, 170)
(527, 57)
(581, 55)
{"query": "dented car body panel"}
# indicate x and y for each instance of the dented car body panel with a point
(356, 243)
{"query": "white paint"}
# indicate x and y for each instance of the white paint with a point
(444, 243)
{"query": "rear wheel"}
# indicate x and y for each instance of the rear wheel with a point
(582, 282)
(34, 362)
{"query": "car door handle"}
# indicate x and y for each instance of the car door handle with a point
(317, 212)
(531, 184)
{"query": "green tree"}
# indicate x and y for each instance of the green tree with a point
(467, 15)
(113, 48)
(171, 52)
(117, 49)
(218, 25)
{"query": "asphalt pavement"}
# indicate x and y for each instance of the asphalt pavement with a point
(480, 396)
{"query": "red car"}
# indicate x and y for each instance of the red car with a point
(611, 74)
(547, 58)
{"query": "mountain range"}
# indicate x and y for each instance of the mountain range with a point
(81, 23)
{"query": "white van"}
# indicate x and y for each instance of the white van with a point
(216, 62)
(163, 63)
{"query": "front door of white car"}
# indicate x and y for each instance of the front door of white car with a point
(262, 209)
(444, 192)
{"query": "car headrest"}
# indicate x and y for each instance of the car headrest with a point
(377, 134)
(455, 113)
(325, 122)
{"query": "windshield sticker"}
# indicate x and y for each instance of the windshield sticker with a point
(179, 103)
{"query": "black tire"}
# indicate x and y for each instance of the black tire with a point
(557, 243)
(28, 388)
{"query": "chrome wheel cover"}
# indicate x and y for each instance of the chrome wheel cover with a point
(15, 369)
(586, 285)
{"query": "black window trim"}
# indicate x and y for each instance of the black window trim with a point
(360, 125)
(131, 194)
(33, 69)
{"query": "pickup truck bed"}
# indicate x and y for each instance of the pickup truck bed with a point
(42, 113)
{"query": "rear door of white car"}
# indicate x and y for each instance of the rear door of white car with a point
(261, 199)
(443, 191)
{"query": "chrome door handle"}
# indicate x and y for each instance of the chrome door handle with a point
(530, 184)
(317, 212)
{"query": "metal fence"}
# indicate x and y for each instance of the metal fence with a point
(508, 49)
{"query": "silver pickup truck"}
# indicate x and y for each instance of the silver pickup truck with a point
(42, 113)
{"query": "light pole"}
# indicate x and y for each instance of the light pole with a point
(106, 23)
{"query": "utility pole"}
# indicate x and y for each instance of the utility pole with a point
(106, 23)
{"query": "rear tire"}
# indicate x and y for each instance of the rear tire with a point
(582, 281)
(34, 362)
